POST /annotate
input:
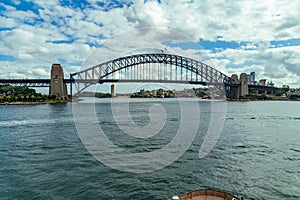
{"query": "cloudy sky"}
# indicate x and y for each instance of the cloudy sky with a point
(236, 36)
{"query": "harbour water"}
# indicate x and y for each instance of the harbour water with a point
(257, 155)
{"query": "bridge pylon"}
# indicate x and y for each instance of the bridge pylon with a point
(113, 90)
(57, 86)
(244, 91)
(234, 90)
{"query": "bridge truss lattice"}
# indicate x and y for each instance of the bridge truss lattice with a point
(163, 68)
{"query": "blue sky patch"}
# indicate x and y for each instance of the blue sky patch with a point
(24, 6)
(184, 45)
(7, 58)
(219, 44)
(75, 3)
(284, 43)
(113, 4)
(61, 41)
(70, 63)
(5, 29)
(214, 46)
(158, 1)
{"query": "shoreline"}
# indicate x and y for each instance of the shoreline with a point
(275, 99)
(54, 102)
(261, 100)
(30, 103)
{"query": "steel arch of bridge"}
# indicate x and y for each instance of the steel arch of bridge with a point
(156, 67)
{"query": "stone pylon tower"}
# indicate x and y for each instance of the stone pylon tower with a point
(235, 91)
(57, 86)
(244, 91)
(113, 90)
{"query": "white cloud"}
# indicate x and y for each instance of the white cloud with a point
(16, 2)
(40, 72)
(59, 33)
(24, 16)
(7, 22)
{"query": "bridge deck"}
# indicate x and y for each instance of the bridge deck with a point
(46, 82)
(29, 82)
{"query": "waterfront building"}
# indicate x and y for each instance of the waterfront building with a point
(251, 78)
(262, 82)
(160, 92)
(154, 93)
(271, 84)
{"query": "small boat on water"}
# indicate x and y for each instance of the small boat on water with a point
(206, 195)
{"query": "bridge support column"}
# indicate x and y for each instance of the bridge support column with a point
(71, 88)
(57, 86)
(113, 90)
(244, 90)
(235, 91)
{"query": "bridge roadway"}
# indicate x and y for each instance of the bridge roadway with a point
(46, 83)
(29, 82)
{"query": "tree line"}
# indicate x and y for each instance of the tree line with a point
(9, 93)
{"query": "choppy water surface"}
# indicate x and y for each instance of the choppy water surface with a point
(257, 155)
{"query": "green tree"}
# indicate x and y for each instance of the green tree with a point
(8, 98)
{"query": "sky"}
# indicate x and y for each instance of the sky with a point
(233, 36)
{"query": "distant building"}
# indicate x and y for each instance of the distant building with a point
(251, 78)
(271, 84)
(185, 93)
(262, 82)
(160, 92)
(154, 93)
(285, 86)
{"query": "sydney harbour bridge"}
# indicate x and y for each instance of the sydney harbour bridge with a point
(151, 68)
